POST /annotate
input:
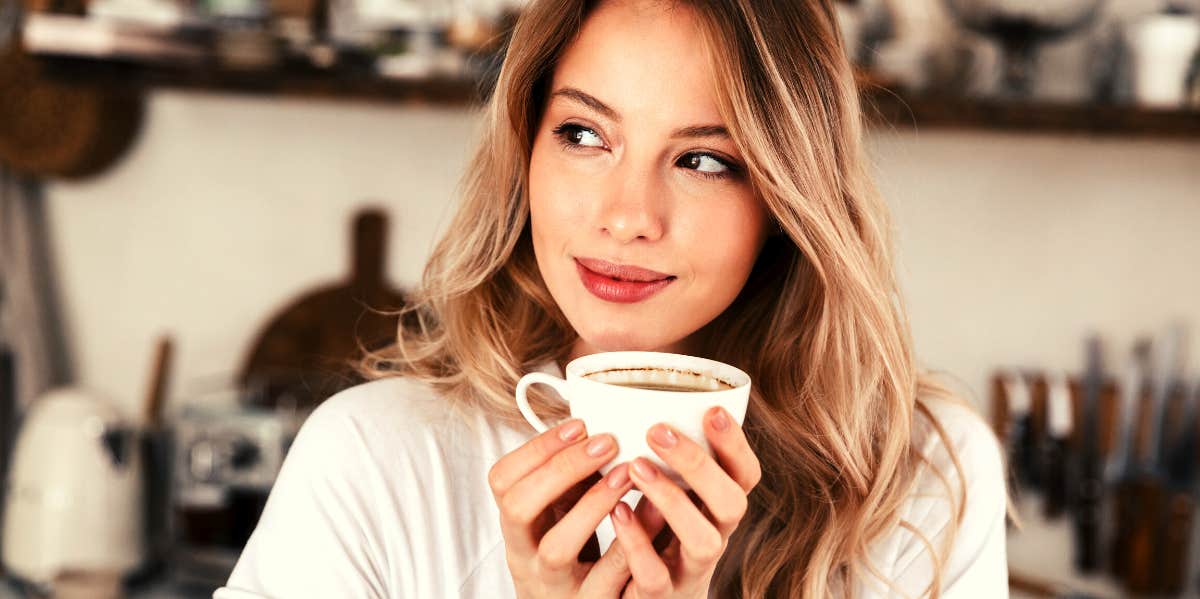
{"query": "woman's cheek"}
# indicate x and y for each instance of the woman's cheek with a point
(728, 242)
(557, 205)
(544, 188)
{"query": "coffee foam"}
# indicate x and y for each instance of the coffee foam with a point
(660, 376)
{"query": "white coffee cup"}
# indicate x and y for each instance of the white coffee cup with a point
(596, 392)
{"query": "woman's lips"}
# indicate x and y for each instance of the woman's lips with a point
(623, 272)
(614, 290)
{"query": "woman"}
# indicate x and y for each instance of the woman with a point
(715, 146)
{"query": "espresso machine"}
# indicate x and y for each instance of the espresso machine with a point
(230, 441)
(226, 458)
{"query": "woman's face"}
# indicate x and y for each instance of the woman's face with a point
(632, 166)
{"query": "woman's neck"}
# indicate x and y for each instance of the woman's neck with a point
(583, 348)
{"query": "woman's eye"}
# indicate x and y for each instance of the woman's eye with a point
(706, 165)
(575, 135)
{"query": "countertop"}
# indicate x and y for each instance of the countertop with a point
(159, 589)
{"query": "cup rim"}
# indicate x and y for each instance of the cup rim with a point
(736, 378)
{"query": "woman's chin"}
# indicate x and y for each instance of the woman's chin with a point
(625, 340)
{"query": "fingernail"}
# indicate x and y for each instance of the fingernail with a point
(571, 430)
(618, 477)
(644, 469)
(622, 512)
(599, 446)
(719, 420)
(663, 436)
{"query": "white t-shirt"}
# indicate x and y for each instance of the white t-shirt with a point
(385, 494)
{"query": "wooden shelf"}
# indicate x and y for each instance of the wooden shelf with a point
(933, 112)
(885, 109)
(345, 84)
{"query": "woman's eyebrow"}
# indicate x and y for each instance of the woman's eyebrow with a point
(701, 131)
(590, 101)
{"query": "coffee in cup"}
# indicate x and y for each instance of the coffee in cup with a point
(657, 379)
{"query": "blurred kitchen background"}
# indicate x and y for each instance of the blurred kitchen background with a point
(200, 198)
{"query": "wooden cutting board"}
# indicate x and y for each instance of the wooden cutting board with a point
(304, 351)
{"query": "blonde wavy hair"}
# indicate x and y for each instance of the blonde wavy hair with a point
(819, 325)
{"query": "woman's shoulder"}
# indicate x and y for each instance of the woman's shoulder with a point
(960, 474)
(392, 414)
(380, 489)
(947, 431)
(380, 400)
(346, 440)
(957, 507)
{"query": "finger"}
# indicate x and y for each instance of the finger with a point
(591, 550)
(559, 549)
(567, 500)
(724, 498)
(701, 544)
(561, 507)
(522, 505)
(610, 573)
(652, 520)
(732, 449)
(651, 577)
(518, 463)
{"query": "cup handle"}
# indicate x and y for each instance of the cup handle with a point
(523, 401)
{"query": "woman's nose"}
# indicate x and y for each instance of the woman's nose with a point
(631, 208)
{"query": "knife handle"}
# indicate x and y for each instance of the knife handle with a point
(1054, 479)
(1038, 435)
(1177, 536)
(1019, 445)
(1142, 571)
(1024, 450)
(1087, 514)
(1124, 516)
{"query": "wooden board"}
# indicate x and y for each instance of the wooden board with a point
(303, 354)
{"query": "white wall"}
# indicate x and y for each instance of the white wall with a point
(1011, 246)
(1014, 248)
(227, 209)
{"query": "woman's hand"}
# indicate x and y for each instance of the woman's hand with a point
(686, 566)
(534, 485)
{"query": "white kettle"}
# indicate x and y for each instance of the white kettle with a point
(74, 499)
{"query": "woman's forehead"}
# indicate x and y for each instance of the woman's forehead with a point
(645, 60)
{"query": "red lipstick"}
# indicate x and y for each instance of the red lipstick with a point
(620, 283)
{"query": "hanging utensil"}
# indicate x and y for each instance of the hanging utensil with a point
(1088, 483)
(1137, 398)
(1179, 464)
(1147, 490)
(156, 453)
(1056, 444)
(1018, 435)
